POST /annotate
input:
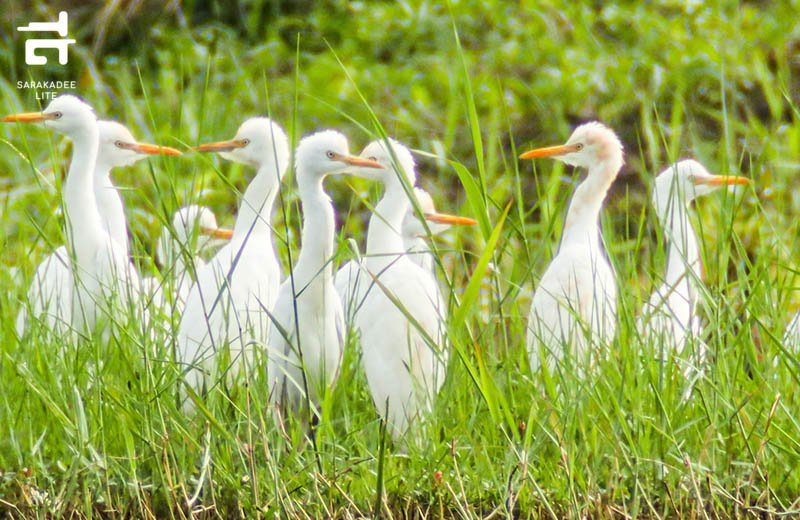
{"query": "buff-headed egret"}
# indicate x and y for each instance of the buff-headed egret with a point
(574, 307)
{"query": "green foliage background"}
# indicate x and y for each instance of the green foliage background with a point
(716, 81)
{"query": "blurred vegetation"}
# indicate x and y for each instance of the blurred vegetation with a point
(717, 81)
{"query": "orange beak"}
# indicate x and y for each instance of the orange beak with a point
(221, 146)
(222, 233)
(357, 161)
(28, 117)
(451, 220)
(549, 151)
(720, 180)
(150, 149)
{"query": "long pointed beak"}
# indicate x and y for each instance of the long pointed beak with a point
(222, 233)
(549, 151)
(721, 180)
(451, 220)
(357, 161)
(151, 149)
(28, 117)
(221, 146)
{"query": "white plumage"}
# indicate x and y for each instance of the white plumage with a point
(573, 310)
(402, 317)
(193, 229)
(305, 346)
(668, 320)
(351, 281)
(224, 308)
(95, 221)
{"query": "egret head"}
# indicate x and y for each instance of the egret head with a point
(590, 144)
(412, 227)
(118, 147)
(379, 152)
(66, 114)
(197, 220)
(687, 180)
(327, 152)
(195, 227)
(258, 141)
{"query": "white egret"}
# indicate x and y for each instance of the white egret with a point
(669, 319)
(574, 308)
(225, 305)
(101, 236)
(306, 342)
(402, 317)
(194, 228)
(352, 281)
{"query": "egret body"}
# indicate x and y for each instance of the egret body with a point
(402, 317)
(305, 346)
(574, 307)
(669, 317)
(225, 307)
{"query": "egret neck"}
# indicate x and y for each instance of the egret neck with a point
(682, 251)
(313, 265)
(84, 224)
(581, 225)
(256, 207)
(109, 205)
(384, 235)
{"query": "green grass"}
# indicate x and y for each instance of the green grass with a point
(79, 437)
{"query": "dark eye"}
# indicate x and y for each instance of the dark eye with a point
(579, 147)
(245, 141)
(118, 144)
(57, 115)
(372, 158)
(330, 154)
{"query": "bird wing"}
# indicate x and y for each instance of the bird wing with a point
(402, 338)
(284, 375)
(255, 283)
(351, 284)
(113, 285)
(667, 317)
(50, 293)
(577, 294)
(202, 328)
(791, 337)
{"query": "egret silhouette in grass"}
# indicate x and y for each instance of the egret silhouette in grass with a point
(96, 224)
(669, 318)
(403, 316)
(307, 340)
(225, 307)
(193, 229)
(575, 305)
